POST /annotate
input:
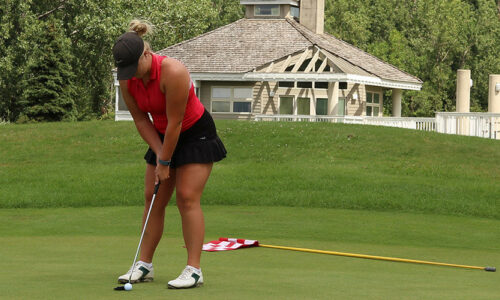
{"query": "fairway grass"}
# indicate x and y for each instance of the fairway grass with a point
(78, 253)
(268, 164)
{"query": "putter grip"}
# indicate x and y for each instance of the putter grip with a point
(490, 269)
(157, 186)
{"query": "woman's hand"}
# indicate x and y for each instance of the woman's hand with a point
(162, 173)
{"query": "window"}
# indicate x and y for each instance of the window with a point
(286, 105)
(303, 106)
(287, 84)
(321, 85)
(232, 100)
(373, 104)
(269, 10)
(221, 93)
(295, 11)
(341, 106)
(304, 84)
(321, 106)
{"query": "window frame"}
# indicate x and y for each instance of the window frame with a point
(231, 99)
(372, 104)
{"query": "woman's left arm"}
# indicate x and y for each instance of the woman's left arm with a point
(174, 83)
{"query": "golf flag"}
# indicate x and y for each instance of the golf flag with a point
(225, 244)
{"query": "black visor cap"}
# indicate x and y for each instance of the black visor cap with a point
(127, 50)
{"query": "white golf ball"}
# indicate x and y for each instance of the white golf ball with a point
(128, 286)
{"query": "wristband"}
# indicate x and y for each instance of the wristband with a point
(164, 162)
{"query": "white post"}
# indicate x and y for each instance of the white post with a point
(396, 102)
(494, 94)
(333, 98)
(463, 91)
(463, 100)
(494, 104)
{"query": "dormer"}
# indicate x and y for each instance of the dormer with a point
(310, 13)
(271, 9)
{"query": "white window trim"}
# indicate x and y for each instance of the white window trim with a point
(379, 105)
(231, 100)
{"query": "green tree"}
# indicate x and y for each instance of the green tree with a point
(15, 16)
(48, 80)
(429, 39)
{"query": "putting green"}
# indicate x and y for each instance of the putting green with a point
(77, 253)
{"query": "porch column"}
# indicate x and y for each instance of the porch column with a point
(396, 102)
(333, 98)
(494, 94)
(463, 91)
(464, 84)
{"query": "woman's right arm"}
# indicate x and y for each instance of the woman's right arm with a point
(141, 120)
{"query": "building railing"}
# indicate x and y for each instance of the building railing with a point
(486, 125)
(427, 124)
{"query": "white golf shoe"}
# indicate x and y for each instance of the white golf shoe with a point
(189, 278)
(140, 273)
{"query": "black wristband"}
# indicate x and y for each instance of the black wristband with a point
(164, 162)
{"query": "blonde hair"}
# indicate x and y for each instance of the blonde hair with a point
(142, 28)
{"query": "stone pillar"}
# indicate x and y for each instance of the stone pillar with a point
(396, 102)
(463, 100)
(463, 91)
(333, 98)
(494, 95)
(494, 103)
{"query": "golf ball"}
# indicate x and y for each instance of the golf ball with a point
(128, 287)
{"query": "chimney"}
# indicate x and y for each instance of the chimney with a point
(312, 15)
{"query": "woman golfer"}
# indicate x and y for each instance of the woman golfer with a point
(183, 145)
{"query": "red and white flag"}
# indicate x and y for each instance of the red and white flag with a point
(224, 244)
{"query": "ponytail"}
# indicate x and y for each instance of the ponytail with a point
(141, 28)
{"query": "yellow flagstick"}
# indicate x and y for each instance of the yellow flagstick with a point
(490, 269)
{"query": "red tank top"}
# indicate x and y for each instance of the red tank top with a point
(151, 100)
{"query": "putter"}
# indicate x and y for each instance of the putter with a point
(157, 186)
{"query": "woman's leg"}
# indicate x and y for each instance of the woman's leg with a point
(154, 230)
(190, 182)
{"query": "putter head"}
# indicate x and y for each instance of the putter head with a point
(120, 288)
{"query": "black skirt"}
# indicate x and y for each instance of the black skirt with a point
(198, 144)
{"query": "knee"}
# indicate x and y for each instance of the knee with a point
(187, 200)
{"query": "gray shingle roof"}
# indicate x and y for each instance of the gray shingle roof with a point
(247, 44)
(355, 55)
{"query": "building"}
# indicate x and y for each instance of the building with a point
(279, 61)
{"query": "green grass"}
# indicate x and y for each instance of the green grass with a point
(268, 164)
(77, 253)
(409, 194)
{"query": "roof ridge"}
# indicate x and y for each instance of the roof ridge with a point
(301, 27)
(202, 35)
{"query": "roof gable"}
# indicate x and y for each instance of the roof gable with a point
(355, 55)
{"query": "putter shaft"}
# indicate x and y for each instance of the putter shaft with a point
(157, 186)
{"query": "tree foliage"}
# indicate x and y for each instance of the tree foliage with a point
(429, 39)
(48, 89)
